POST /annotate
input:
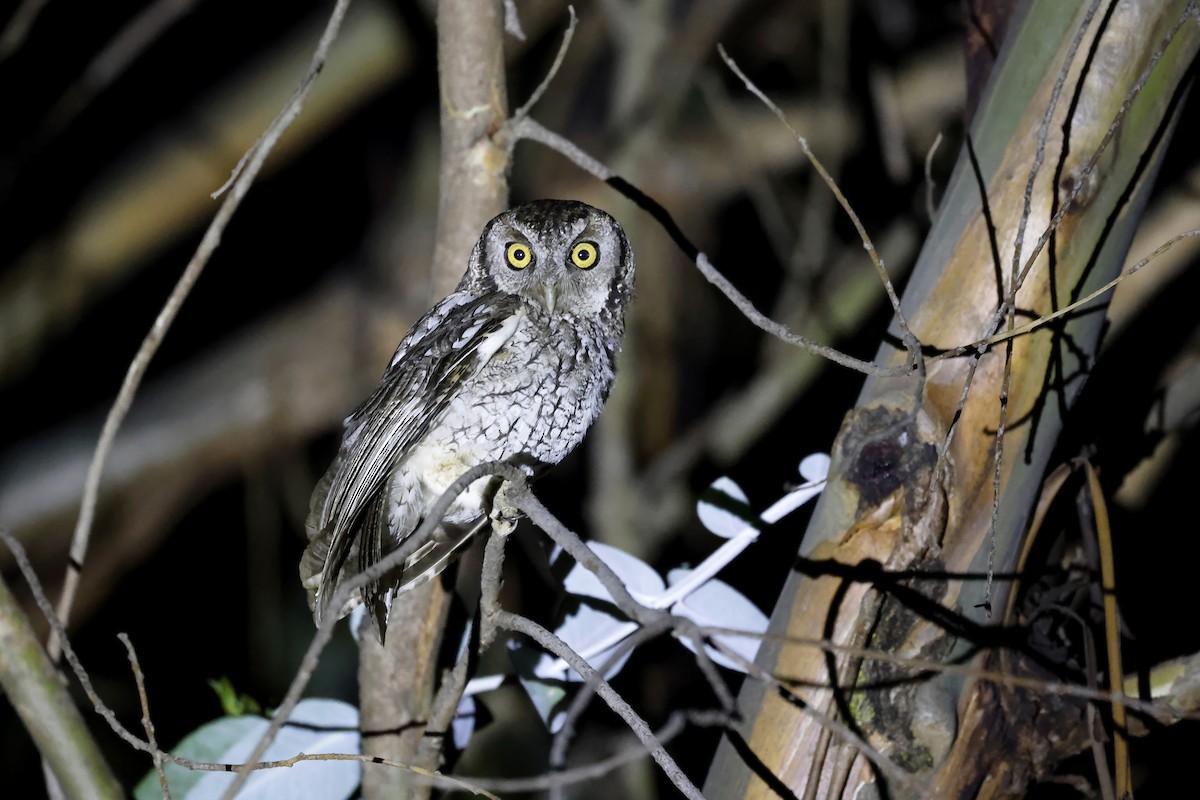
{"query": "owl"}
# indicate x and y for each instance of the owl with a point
(513, 366)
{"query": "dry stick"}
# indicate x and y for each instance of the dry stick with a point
(685, 627)
(47, 609)
(674, 725)
(147, 723)
(540, 516)
(911, 343)
(512, 21)
(615, 701)
(109, 716)
(1159, 711)
(568, 35)
(528, 128)
(1065, 310)
(583, 698)
(1009, 307)
(137, 368)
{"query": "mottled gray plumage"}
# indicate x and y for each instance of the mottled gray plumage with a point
(514, 365)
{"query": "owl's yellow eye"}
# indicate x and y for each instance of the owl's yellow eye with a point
(519, 255)
(585, 254)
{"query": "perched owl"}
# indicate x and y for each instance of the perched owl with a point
(513, 366)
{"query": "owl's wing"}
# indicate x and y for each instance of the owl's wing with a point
(348, 512)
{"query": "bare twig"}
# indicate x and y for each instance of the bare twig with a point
(40, 699)
(885, 764)
(137, 369)
(147, 722)
(301, 678)
(910, 340)
(532, 130)
(583, 699)
(1082, 179)
(572, 545)
(618, 704)
(675, 725)
(569, 34)
(512, 20)
(1083, 301)
(695, 634)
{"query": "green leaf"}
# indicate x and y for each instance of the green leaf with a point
(232, 703)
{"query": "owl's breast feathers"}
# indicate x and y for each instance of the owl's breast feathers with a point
(477, 379)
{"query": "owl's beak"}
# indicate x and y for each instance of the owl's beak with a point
(550, 295)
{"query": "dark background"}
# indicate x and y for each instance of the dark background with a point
(209, 590)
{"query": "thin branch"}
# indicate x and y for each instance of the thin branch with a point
(615, 701)
(572, 545)
(137, 369)
(110, 717)
(38, 695)
(583, 698)
(528, 128)
(675, 725)
(1160, 711)
(1085, 172)
(911, 343)
(685, 627)
(524, 110)
(147, 723)
(1033, 325)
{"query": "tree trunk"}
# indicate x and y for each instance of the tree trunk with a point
(905, 553)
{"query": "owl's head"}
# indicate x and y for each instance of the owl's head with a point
(566, 256)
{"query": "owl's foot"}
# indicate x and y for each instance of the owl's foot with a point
(504, 520)
(504, 515)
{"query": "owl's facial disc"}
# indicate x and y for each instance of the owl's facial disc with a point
(564, 257)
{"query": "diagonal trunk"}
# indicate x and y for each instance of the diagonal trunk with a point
(899, 550)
